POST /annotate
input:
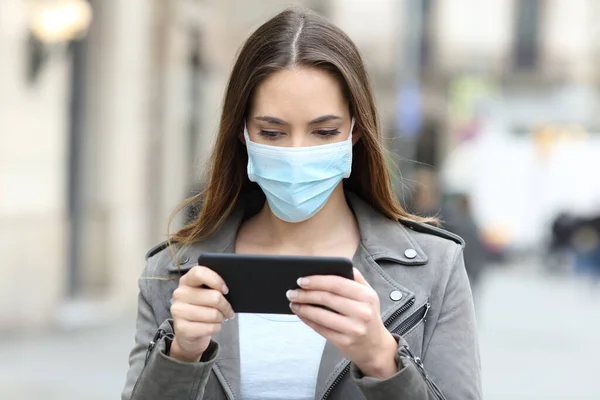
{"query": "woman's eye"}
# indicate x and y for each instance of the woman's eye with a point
(327, 132)
(269, 134)
(272, 135)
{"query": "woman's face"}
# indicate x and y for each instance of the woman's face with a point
(299, 107)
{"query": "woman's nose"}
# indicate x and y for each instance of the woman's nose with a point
(299, 142)
(300, 139)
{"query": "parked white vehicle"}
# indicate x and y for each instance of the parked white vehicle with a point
(519, 183)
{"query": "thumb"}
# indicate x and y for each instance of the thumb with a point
(358, 277)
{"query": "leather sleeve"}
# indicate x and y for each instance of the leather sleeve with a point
(153, 375)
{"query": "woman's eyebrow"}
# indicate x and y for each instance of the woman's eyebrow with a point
(271, 120)
(324, 118)
(318, 120)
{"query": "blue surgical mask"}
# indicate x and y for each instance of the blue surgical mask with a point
(298, 181)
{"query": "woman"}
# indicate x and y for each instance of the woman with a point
(298, 168)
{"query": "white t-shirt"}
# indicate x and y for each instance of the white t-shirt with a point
(279, 357)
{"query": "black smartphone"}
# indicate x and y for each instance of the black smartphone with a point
(258, 283)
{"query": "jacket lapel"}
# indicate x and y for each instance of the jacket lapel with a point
(381, 240)
(333, 365)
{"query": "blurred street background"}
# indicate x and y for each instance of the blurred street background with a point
(108, 109)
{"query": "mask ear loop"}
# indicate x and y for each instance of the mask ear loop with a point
(246, 135)
(250, 167)
(350, 145)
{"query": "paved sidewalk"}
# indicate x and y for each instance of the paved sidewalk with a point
(85, 364)
(540, 337)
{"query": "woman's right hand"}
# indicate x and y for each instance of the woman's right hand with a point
(198, 312)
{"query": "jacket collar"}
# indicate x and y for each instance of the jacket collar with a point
(383, 238)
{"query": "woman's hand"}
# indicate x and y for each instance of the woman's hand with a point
(356, 330)
(198, 312)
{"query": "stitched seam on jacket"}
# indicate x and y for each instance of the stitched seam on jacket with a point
(417, 324)
(457, 252)
(147, 284)
(196, 386)
(382, 273)
(408, 262)
(377, 268)
(454, 271)
(389, 280)
(220, 373)
(339, 368)
(412, 240)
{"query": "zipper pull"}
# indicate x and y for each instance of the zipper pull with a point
(410, 353)
(419, 363)
(427, 307)
(159, 334)
(416, 360)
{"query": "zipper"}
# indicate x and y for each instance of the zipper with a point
(336, 381)
(405, 327)
(413, 320)
(399, 312)
(421, 368)
(159, 335)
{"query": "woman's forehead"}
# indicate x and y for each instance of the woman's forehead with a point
(299, 93)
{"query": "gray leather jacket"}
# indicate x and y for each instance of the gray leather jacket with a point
(418, 272)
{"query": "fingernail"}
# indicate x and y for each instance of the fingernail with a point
(232, 315)
(294, 307)
(291, 294)
(302, 281)
(225, 289)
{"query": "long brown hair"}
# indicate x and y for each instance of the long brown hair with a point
(292, 38)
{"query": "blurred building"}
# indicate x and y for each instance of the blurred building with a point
(102, 137)
(523, 71)
(549, 39)
(468, 47)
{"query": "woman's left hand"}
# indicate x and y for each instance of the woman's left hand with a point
(356, 330)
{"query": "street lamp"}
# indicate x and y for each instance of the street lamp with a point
(53, 23)
(60, 21)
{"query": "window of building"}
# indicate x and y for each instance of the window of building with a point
(527, 32)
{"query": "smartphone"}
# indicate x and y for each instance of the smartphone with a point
(258, 283)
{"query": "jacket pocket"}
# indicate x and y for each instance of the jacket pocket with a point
(413, 320)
